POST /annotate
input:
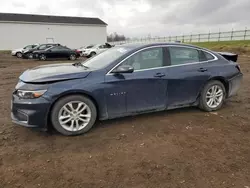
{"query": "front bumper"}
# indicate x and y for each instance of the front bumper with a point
(234, 84)
(13, 53)
(30, 113)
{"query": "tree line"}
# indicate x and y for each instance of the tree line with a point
(113, 37)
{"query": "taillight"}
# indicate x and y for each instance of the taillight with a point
(238, 67)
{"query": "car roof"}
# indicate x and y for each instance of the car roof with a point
(144, 45)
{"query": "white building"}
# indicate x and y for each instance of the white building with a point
(18, 30)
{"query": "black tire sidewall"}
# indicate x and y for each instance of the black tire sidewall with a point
(203, 104)
(59, 104)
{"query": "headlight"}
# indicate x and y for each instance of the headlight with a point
(30, 94)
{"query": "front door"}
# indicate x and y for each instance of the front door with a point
(143, 90)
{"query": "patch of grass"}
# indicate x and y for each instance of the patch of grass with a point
(240, 47)
(5, 51)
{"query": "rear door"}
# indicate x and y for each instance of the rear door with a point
(186, 75)
(143, 90)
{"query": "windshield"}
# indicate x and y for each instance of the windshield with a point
(91, 46)
(105, 58)
(28, 47)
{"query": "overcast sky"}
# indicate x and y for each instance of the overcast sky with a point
(138, 18)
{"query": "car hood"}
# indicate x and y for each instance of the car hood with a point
(54, 72)
(19, 49)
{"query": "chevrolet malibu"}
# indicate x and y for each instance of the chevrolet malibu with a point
(123, 81)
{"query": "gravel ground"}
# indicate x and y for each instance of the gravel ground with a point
(179, 148)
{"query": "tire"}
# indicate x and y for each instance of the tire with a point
(207, 96)
(30, 56)
(69, 128)
(72, 57)
(19, 54)
(43, 57)
(92, 54)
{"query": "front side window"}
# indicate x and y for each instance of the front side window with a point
(183, 55)
(146, 59)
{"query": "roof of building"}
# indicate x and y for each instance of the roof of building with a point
(50, 19)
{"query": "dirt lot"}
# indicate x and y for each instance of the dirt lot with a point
(181, 148)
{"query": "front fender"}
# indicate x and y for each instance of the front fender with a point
(75, 87)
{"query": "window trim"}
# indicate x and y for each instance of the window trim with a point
(164, 46)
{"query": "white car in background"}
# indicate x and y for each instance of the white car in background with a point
(18, 52)
(92, 50)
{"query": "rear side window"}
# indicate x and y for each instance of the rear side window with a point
(208, 56)
(183, 55)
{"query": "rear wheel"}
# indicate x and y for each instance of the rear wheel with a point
(19, 54)
(72, 57)
(73, 115)
(43, 57)
(212, 96)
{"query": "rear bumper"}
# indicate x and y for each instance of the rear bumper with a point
(31, 113)
(234, 84)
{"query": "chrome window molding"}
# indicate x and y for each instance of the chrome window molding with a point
(162, 46)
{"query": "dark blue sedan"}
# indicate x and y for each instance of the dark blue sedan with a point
(122, 81)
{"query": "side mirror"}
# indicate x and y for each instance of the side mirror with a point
(124, 69)
(49, 51)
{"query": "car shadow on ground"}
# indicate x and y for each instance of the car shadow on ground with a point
(129, 119)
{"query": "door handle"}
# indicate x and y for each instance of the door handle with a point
(159, 75)
(202, 70)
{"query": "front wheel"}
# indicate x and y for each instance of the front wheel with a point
(19, 54)
(212, 96)
(92, 54)
(73, 115)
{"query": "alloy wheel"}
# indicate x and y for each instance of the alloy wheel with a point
(214, 96)
(74, 116)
